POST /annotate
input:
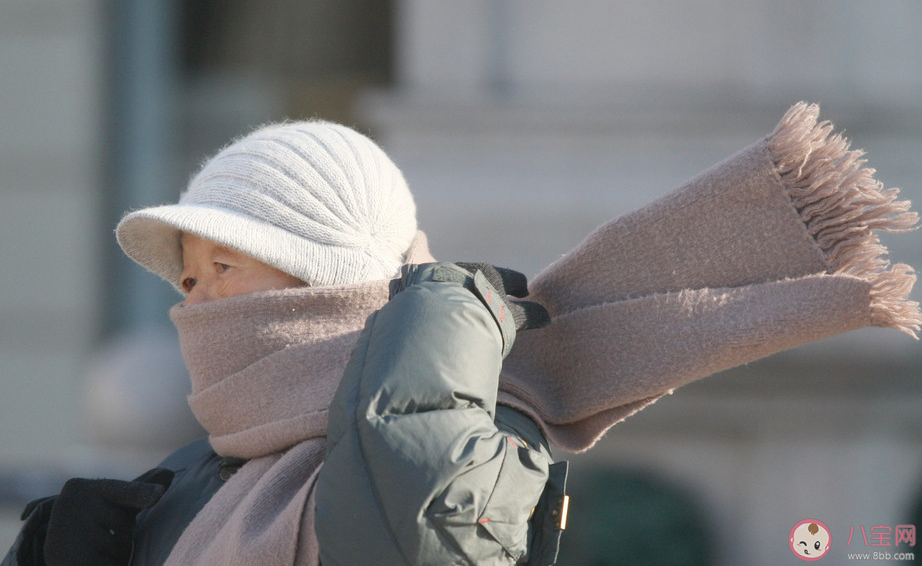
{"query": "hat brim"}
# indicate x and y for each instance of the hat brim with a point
(151, 237)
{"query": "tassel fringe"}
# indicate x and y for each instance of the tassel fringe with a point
(842, 205)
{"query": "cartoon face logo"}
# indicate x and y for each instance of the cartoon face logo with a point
(810, 539)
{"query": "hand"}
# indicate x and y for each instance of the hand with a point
(489, 284)
(527, 314)
(92, 521)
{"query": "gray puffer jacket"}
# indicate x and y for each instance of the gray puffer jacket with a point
(418, 471)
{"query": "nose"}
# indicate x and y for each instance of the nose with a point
(197, 295)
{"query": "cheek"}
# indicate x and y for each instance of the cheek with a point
(274, 279)
(233, 286)
(280, 281)
(254, 282)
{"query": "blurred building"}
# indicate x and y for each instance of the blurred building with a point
(559, 117)
(51, 128)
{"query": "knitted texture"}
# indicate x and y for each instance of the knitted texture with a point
(772, 248)
(264, 369)
(316, 200)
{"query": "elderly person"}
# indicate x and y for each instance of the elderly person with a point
(283, 245)
(417, 451)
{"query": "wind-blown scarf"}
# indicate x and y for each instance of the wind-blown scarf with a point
(771, 249)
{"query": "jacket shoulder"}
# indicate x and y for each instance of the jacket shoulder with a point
(189, 454)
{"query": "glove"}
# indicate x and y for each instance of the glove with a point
(487, 283)
(92, 521)
(527, 314)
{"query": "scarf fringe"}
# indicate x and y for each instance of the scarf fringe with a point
(842, 205)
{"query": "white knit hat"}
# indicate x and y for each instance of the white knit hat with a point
(316, 200)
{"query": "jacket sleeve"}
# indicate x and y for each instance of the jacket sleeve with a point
(417, 471)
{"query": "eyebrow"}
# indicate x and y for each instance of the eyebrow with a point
(224, 250)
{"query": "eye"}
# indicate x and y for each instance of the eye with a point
(816, 545)
(221, 267)
(188, 283)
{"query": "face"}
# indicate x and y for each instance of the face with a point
(211, 271)
(810, 540)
